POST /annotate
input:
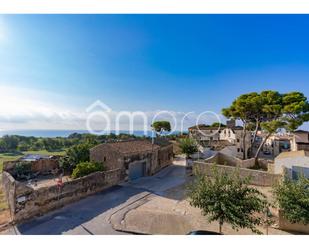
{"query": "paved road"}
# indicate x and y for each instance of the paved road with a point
(92, 214)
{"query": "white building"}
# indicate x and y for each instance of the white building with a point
(229, 136)
(293, 163)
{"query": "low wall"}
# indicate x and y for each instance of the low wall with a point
(259, 178)
(284, 224)
(27, 202)
(41, 165)
(9, 186)
(44, 165)
(224, 159)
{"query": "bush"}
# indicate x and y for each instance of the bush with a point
(188, 146)
(86, 168)
(228, 199)
(22, 169)
(79, 153)
(293, 199)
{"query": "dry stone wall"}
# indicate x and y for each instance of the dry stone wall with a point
(259, 178)
(27, 202)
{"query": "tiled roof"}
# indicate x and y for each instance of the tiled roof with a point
(134, 146)
(205, 127)
(301, 131)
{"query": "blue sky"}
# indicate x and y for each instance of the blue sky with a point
(62, 63)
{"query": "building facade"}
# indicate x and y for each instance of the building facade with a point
(293, 163)
(136, 158)
(300, 140)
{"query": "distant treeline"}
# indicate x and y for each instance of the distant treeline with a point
(9, 143)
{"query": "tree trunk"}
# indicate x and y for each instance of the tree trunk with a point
(260, 147)
(244, 142)
(220, 226)
(254, 137)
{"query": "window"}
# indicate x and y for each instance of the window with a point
(238, 150)
(104, 159)
(237, 140)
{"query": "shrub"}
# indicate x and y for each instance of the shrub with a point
(22, 169)
(293, 199)
(228, 199)
(79, 153)
(86, 168)
(188, 146)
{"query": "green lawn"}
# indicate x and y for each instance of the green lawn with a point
(14, 156)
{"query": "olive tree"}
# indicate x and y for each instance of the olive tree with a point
(292, 197)
(228, 199)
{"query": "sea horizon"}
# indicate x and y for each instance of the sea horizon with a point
(65, 133)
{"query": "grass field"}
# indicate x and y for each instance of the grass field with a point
(14, 156)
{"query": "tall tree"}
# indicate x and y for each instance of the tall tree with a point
(247, 109)
(268, 111)
(161, 126)
(228, 199)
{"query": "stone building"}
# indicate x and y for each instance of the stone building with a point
(293, 163)
(205, 133)
(300, 141)
(137, 158)
(230, 135)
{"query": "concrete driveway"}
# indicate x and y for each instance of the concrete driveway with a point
(92, 215)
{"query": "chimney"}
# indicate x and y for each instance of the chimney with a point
(231, 123)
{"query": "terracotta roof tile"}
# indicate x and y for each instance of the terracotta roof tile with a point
(135, 146)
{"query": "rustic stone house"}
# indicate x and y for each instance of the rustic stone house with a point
(137, 158)
(300, 140)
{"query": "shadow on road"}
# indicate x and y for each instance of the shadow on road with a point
(78, 213)
(92, 210)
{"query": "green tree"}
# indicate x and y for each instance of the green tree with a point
(86, 168)
(77, 154)
(269, 111)
(161, 126)
(187, 146)
(228, 199)
(10, 142)
(52, 144)
(247, 109)
(292, 197)
(217, 124)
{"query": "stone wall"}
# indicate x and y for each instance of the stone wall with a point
(165, 157)
(27, 202)
(224, 159)
(155, 160)
(284, 224)
(41, 165)
(110, 158)
(259, 178)
(44, 165)
(9, 186)
(9, 166)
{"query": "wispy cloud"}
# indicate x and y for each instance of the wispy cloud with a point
(22, 108)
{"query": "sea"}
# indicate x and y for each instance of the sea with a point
(63, 133)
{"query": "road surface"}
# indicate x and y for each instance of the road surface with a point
(91, 216)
